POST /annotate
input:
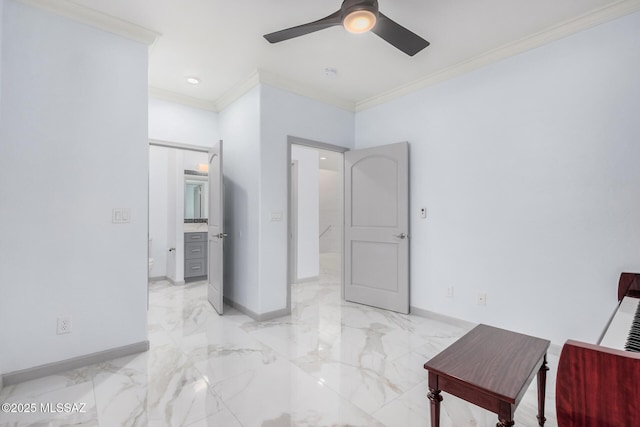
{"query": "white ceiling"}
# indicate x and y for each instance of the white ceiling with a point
(220, 41)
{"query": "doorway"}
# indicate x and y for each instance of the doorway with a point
(177, 204)
(374, 227)
(315, 241)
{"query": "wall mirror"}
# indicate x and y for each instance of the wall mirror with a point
(195, 197)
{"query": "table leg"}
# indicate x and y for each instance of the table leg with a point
(505, 414)
(542, 385)
(435, 398)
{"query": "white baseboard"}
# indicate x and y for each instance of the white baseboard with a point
(73, 363)
(255, 316)
(307, 279)
(175, 283)
(554, 349)
(442, 318)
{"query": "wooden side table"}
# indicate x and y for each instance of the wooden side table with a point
(491, 368)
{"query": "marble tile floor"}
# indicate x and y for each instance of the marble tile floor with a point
(330, 363)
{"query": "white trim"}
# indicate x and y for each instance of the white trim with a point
(176, 282)
(74, 363)
(237, 91)
(564, 29)
(255, 316)
(554, 349)
(307, 280)
(97, 19)
(292, 248)
(300, 89)
(454, 321)
(189, 101)
(271, 79)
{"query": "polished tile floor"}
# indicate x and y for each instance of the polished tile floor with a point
(330, 363)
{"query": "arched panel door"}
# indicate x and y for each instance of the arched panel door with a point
(376, 250)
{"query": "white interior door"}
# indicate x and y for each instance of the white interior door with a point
(216, 233)
(376, 250)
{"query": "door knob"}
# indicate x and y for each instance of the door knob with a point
(221, 235)
(400, 236)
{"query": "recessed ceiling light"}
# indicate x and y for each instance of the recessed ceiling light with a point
(323, 158)
(193, 80)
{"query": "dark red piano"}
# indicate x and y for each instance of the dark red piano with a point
(598, 385)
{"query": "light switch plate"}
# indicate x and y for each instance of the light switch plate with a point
(276, 216)
(121, 215)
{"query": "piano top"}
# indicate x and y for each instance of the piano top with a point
(629, 285)
(618, 330)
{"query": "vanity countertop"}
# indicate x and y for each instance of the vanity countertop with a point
(196, 228)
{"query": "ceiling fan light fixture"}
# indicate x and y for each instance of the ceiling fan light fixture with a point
(359, 21)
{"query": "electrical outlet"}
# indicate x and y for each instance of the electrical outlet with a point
(423, 213)
(64, 325)
(482, 298)
(450, 292)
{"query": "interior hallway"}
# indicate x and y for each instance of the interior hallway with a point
(330, 363)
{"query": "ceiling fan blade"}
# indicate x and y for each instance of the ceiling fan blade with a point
(326, 22)
(397, 35)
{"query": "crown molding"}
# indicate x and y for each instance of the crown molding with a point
(233, 94)
(179, 98)
(271, 79)
(299, 89)
(564, 29)
(97, 19)
(236, 92)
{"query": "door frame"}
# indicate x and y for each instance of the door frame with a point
(181, 147)
(293, 221)
(294, 140)
(215, 228)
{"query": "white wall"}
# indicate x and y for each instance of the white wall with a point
(240, 131)
(2, 337)
(308, 246)
(255, 130)
(74, 146)
(286, 114)
(330, 210)
(169, 121)
(528, 169)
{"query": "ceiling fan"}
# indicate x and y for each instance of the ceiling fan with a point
(358, 16)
